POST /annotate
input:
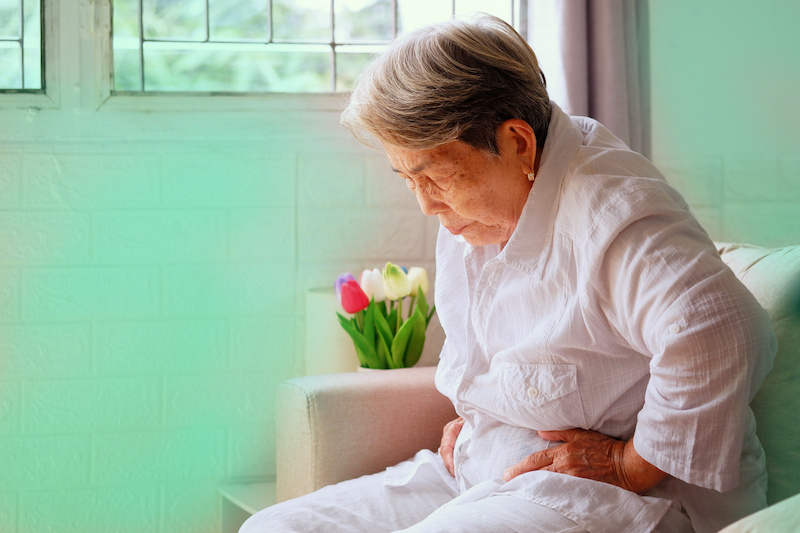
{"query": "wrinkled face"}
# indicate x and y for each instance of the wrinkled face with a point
(473, 195)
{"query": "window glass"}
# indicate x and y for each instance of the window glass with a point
(20, 45)
(363, 21)
(174, 20)
(264, 45)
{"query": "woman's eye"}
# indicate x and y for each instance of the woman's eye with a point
(410, 184)
(442, 182)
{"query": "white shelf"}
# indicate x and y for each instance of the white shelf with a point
(241, 501)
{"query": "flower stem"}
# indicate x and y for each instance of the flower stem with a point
(399, 313)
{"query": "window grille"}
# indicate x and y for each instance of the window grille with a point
(290, 46)
(21, 64)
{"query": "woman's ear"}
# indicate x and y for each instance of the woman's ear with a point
(516, 138)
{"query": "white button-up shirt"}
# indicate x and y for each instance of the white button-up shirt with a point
(608, 309)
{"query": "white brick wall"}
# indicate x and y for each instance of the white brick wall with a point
(152, 297)
(741, 199)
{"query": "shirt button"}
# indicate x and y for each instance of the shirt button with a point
(675, 328)
(533, 392)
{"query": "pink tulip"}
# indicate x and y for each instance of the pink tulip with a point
(353, 298)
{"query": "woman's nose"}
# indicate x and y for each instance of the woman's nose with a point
(430, 206)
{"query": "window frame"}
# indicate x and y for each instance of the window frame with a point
(197, 101)
(46, 98)
(78, 74)
(76, 58)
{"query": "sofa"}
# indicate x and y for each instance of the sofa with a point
(339, 426)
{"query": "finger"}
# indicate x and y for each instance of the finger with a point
(449, 437)
(451, 431)
(447, 456)
(537, 461)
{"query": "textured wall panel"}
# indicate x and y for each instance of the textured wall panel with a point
(263, 343)
(45, 350)
(124, 458)
(8, 512)
(10, 306)
(698, 180)
(190, 508)
(252, 451)
(259, 234)
(768, 224)
(752, 179)
(219, 399)
(789, 179)
(101, 510)
(163, 236)
(214, 290)
(342, 234)
(331, 180)
(232, 179)
(9, 407)
(40, 237)
(155, 347)
(97, 180)
(90, 404)
(10, 179)
(44, 461)
(86, 293)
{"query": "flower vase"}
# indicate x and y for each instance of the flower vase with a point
(329, 350)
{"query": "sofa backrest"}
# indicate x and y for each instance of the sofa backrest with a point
(773, 276)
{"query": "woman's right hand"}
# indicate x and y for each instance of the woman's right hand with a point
(449, 436)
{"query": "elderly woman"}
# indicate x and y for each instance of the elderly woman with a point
(599, 353)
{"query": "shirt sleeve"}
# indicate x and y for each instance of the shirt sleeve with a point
(662, 284)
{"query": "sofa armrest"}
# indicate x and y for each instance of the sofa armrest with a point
(340, 426)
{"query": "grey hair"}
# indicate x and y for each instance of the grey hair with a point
(456, 80)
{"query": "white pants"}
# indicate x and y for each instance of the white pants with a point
(428, 503)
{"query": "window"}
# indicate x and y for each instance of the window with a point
(257, 46)
(21, 45)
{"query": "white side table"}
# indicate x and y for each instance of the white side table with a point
(239, 502)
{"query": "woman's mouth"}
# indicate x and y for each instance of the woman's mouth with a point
(456, 230)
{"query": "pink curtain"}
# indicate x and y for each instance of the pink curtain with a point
(600, 62)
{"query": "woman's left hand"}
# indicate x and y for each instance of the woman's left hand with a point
(591, 455)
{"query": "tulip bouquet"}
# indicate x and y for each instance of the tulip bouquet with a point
(382, 338)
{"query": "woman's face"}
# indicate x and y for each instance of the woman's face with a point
(473, 195)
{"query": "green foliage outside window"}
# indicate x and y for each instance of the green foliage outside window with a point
(237, 48)
(20, 44)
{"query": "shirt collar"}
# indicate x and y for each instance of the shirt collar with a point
(534, 229)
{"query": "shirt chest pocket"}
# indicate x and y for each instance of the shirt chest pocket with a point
(540, 396)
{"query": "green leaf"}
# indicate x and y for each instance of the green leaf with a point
(416, 341)
(369, 322)
(399, 344)
(422, 303)
(384, 355)
(391, 319)
(365, 349)
(384, 338)
(410, 335)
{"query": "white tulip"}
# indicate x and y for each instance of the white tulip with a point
(372, 284)
(418, 278)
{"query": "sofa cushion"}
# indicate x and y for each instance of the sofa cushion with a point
(773, 276)
(776, 518)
